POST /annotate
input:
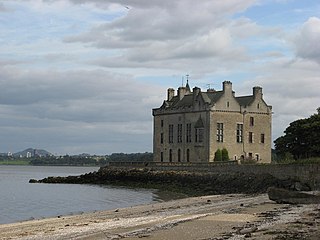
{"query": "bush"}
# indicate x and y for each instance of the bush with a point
(218, 156)
(225, 155)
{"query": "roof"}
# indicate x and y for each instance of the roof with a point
(245, 100)
(208, 97)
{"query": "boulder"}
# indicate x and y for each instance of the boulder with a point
(281, 195)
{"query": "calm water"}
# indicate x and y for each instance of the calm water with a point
(20, 200)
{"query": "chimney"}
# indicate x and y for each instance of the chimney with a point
(257, 92)
(181, 92)
(195, 92)
(227, 87)
(170, 94)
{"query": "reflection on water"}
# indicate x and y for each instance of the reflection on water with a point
(20, 200)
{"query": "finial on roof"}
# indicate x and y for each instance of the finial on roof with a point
(187, 85)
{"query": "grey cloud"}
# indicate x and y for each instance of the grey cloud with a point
(160, 22)
(89, 96)
(75, 111)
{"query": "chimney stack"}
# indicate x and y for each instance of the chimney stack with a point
(170, 94)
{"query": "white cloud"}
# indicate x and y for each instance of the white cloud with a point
(307, 41)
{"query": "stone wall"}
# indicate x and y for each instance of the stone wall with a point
(306, 173)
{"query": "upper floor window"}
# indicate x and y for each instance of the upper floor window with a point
(188, 132)
(239, 132)
(199, 135)
(251, 121)
(161, 156)
(262, 138)
(170, 133)
(161, 123)
(161, 138)
(179, 155)
(219, 132)
(179, 133)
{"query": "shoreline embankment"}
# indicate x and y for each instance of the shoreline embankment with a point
(245, 179)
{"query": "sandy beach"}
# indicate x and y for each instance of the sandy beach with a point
(232, 216)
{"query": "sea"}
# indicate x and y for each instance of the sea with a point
(21, 200)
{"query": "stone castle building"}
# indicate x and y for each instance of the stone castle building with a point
(192, 125)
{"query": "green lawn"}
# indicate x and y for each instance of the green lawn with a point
(14, 162)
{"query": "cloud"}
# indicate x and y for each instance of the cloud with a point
(161, 31)
(73, 111)
(307, 41)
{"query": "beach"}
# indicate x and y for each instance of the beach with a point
(231, 216)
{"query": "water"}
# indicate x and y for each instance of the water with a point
(21, 200)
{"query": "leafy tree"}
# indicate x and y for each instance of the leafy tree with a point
(218, 156)
(225, 155)
(301, 139)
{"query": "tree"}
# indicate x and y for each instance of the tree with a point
(301, 139)
(218, 156)
(225, 155)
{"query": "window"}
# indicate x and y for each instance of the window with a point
(199, 135)
(170, 155)
(228, 104)
(239, 132)
(161, 156)
(257, 157)
(188, 133)
(250, 137)
(161, 138)
(161, 123)
(179, 133)
(251, 121)
(188, 155)
(219, 132)
(262, 138)
(170, 133)
(179, 155)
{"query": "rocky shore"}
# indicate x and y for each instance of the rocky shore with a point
(190, 183)
(231, 216)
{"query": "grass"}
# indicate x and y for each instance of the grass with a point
(14, 162)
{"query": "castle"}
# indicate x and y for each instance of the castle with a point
(192, 125)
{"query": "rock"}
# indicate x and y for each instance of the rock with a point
(248, 230)
(280, 195)
(33, 181)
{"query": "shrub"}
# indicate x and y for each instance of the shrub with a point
(225, 155)
(218, 156)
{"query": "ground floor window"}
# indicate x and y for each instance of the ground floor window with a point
(188, 155)
(170, 155)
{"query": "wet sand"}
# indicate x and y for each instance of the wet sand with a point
(232, 216)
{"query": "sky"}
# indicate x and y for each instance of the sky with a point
(82, 76)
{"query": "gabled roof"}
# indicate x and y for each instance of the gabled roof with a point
(245, 100)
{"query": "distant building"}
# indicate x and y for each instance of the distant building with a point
(29, 155)
(192, 125)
